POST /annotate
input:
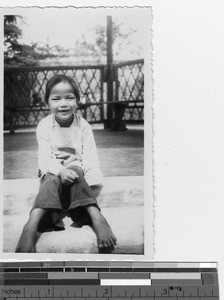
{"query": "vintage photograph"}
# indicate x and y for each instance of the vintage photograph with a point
(77, 132)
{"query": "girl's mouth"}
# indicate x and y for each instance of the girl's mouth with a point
(64, 111)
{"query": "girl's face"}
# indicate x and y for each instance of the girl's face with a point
(62, 102)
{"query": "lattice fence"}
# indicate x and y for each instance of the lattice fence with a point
(130, 89)
(24, 90)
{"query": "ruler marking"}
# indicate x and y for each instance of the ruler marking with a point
(175, 291)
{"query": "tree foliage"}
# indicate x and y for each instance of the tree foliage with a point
(98, 47)
(17, 53)
(119, 38)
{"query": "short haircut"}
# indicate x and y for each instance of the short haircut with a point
(61, 78)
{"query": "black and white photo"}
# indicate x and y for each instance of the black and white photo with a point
(77, 132)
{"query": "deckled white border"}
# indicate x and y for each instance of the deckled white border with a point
(148, 181)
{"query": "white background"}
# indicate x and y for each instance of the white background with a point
(188, 58)
(189, 131)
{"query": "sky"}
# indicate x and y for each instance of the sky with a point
(63, 26)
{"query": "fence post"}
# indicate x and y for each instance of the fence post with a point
(110, 92)
(12, 129)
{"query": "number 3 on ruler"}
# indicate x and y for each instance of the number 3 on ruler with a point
(165, 291)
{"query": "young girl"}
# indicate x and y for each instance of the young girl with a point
(69, 168)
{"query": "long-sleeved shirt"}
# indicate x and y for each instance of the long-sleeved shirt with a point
(60, 147)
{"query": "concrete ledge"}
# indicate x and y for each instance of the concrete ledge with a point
(121, 202)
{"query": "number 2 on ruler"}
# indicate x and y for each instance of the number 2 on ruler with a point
(106, 292)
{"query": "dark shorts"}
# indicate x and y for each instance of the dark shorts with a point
(60, 200)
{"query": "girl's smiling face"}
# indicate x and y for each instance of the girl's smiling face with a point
(62, 102)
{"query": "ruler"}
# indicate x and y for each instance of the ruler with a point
(83, 280)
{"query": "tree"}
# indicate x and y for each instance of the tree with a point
(98, 47)
(11, 35)
(16, 53)
(119, 38)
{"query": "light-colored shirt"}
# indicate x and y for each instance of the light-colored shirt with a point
(60, 147)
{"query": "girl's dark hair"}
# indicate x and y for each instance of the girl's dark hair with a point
(57, 79)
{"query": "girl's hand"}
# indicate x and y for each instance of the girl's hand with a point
(67, 176)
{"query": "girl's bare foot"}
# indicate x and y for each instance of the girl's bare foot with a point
(27, 240)
(106, 240)
(105, 237)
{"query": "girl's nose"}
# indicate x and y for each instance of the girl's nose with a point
(63, 102)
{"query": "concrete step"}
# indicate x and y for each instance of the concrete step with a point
(121, 202)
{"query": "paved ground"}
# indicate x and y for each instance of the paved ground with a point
(121, 158)
(120, 153)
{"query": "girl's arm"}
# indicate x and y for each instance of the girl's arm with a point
(47, 161)
(90, 160)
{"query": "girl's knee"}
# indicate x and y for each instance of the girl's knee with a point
(52, 178)
(96, 189)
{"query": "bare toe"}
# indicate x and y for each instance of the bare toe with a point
(114, 239)
(112, 243)
(100, 245)
(106, 245)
